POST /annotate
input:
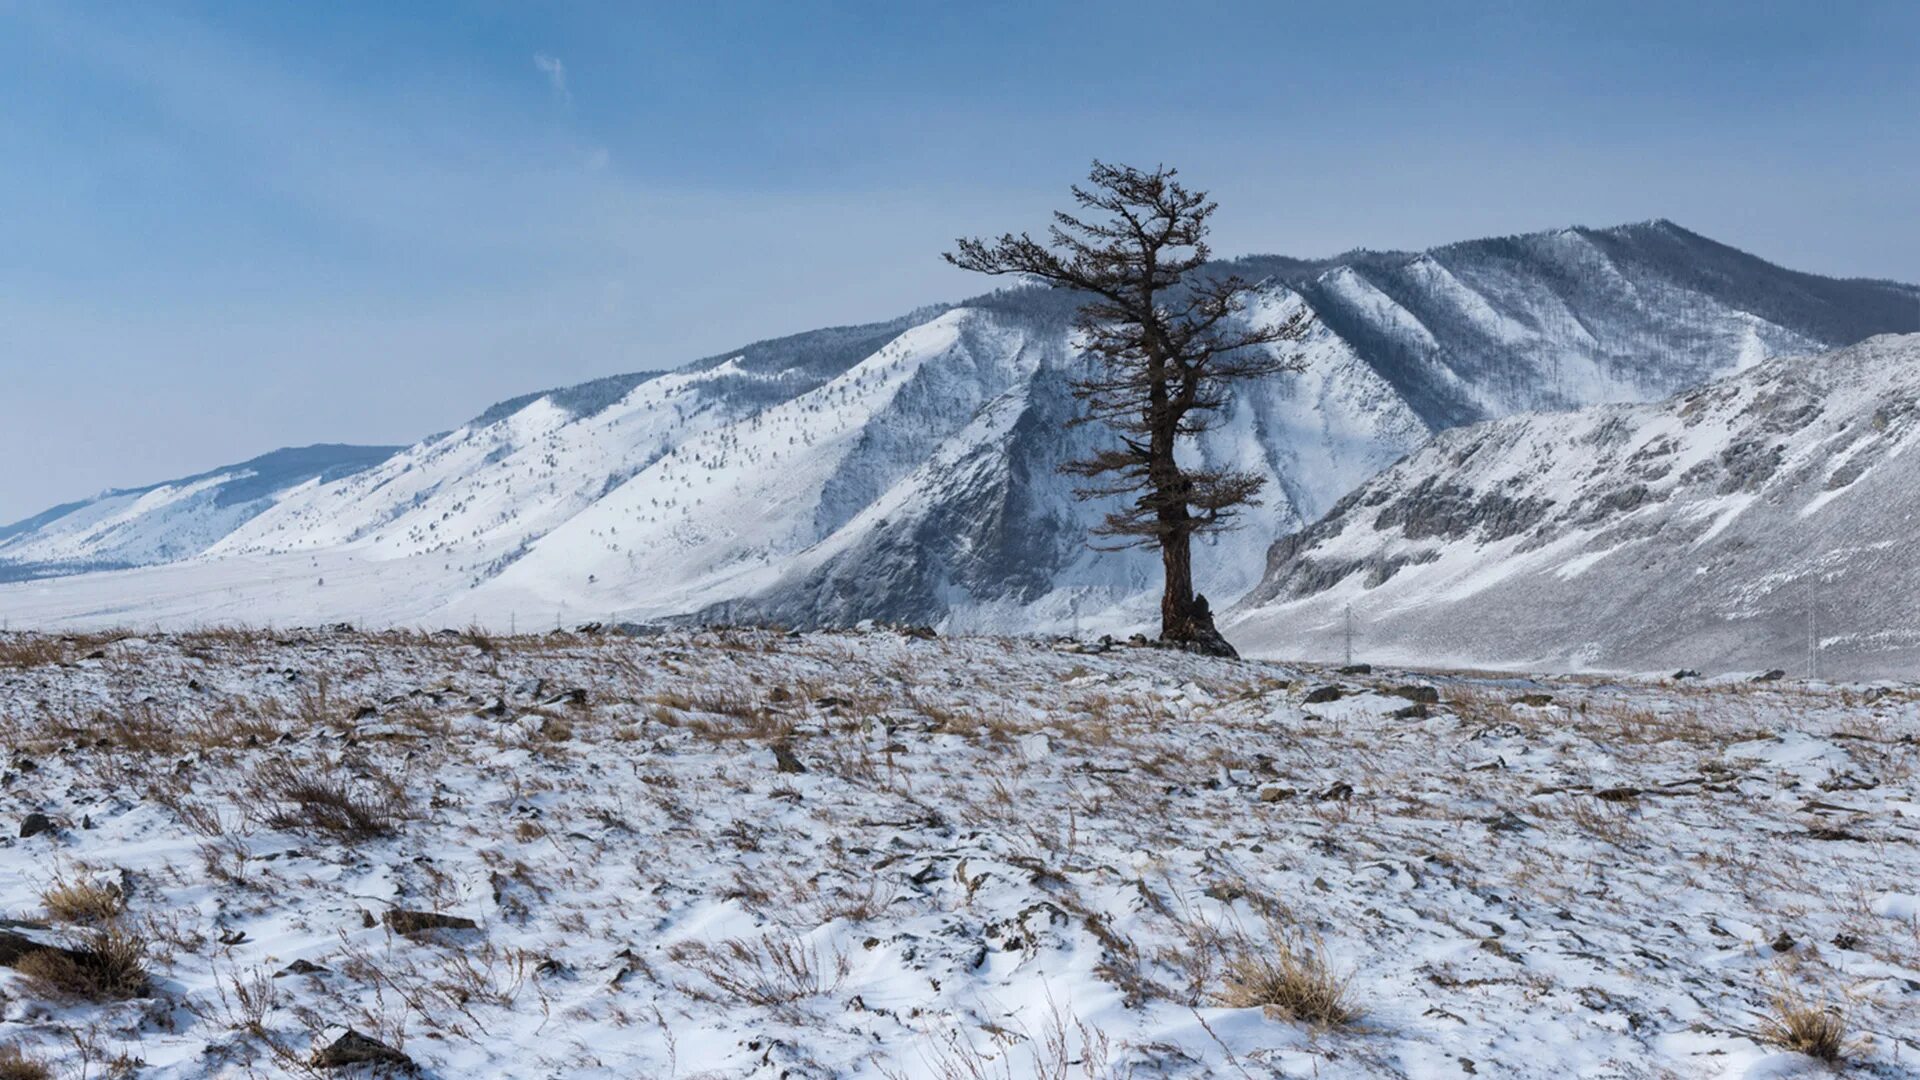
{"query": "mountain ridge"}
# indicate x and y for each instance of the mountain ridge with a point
(907, 469)
(1716, 529)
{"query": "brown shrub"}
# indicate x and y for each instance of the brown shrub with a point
(15, 1064)
(1291, 979)
(1806, 1026)
(109, 965)
(83, 900)
(302, 798)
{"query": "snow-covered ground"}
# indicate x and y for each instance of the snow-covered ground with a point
(744, 854)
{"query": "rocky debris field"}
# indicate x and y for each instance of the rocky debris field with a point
(748, 854)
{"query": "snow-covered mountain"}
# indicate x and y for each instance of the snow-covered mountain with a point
(1727, 527)
(908, 470)
(169, 521)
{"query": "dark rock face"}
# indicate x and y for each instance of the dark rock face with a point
(1442, 508)
(1749, 465)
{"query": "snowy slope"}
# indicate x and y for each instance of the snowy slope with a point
(172, 520)
(1715, 530)
(977, 858)
(909, 470)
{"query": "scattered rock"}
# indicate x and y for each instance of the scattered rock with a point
(1846, 941)
(1415, 711)
(1829, 832)
(1847, 781)
(1770, 676)
(1322, 694)
(1535, 701)
(1355, 669)
(1277, 794)
(14, 945)
(34, 824)
(924, 633)
(1507, 822)
(415, 923)
(784, 759)
(1341, 791)
(354, 1048)
(1784, 943)
(301, 967)
(1424, 695)
(1685, 673)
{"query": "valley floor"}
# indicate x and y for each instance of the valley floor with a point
(742, 854)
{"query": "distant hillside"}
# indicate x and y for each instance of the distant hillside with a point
(1724, 528)
(172, 520)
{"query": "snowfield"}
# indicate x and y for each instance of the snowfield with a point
(886, 854)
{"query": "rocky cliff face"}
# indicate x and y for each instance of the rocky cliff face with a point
(908, 470)
(1731, 526)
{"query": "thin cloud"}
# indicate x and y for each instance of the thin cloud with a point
(556, 73)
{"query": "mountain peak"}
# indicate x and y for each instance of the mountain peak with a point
(909, 470)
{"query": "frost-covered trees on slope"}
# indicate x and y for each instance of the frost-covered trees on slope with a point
(1168, 343)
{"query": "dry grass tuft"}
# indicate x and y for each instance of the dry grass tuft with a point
(31, 651)
(110, 965)
(83, 900)
(15, 1064)
(304, 799)
(774, 972)
(1291, 979)
(1800, 1024)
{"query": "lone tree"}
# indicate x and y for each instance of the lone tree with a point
(1168, 339)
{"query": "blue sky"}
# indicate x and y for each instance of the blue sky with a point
(226, 227)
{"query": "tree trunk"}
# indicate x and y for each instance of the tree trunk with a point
(1186, 619)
